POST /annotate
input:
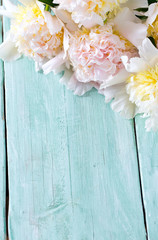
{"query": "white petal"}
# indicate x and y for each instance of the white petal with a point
(66, 19)
(6, 13)
(134, 65)
(110, 92)
(10, 6)
(149, 52)
(53, 24)
(121, 77)
(130, 27)
(133, 4)
(54, 63)
(88, 21)
(66, 42)
(122, 105)
(8, 51)
(8, 9)
(152, 13)
(69, 79)
(26, 2)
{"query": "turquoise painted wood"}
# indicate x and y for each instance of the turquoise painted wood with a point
(73, 172)
(2, 155)
(148, 155)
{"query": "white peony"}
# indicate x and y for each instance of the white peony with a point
(34, 32)
(142, 84)
(90, 13)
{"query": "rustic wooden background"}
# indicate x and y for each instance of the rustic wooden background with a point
(75, 170)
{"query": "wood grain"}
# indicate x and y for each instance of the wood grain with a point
(2, 154)
(148, 157)
(73, 171)
(72, 163)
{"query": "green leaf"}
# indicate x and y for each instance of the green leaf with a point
(152, 40)
(152, 1)
(142, 17)
(141, 9)
(49, 3)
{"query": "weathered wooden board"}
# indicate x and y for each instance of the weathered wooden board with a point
(2, 154)
(72, 163)
(148, 156)
(73, 172)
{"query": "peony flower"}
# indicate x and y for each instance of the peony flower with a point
(142, 84)
(90, 13)
(33, 32)
(130, 27)
(114, 88)
(94, 60)
(95, 55)
(152, 22)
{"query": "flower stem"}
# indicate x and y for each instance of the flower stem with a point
(47, 8)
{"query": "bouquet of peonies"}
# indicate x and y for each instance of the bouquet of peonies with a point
(111, 45)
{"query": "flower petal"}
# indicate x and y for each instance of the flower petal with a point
(10, 6)
(53, 24)
(149, 52)
(134, 65)
(8, 51)
(69, 79)
(54, 63)
(5, 13)
(133, 4)
(8, 10)
(122, 105)
(152, 13)
(117, 79)
(66, 19)
(130, 27)
(26, 2)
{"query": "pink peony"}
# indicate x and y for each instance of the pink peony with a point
(95, 55)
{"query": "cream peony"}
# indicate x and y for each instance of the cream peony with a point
(114, 88)
(152, 22)
(34, 33)
(142, 84)
(90, 13)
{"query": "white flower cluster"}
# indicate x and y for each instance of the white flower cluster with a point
(97, 43)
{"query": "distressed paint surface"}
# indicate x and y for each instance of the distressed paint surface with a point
(148, 156)
(2, 154)
(71, 174)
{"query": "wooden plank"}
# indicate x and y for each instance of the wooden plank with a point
(104, 173)
(2, 154)
(148, 157)
(72, 163)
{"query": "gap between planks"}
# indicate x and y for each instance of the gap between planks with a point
(140, 180)
(6, 150)
(7, 181)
